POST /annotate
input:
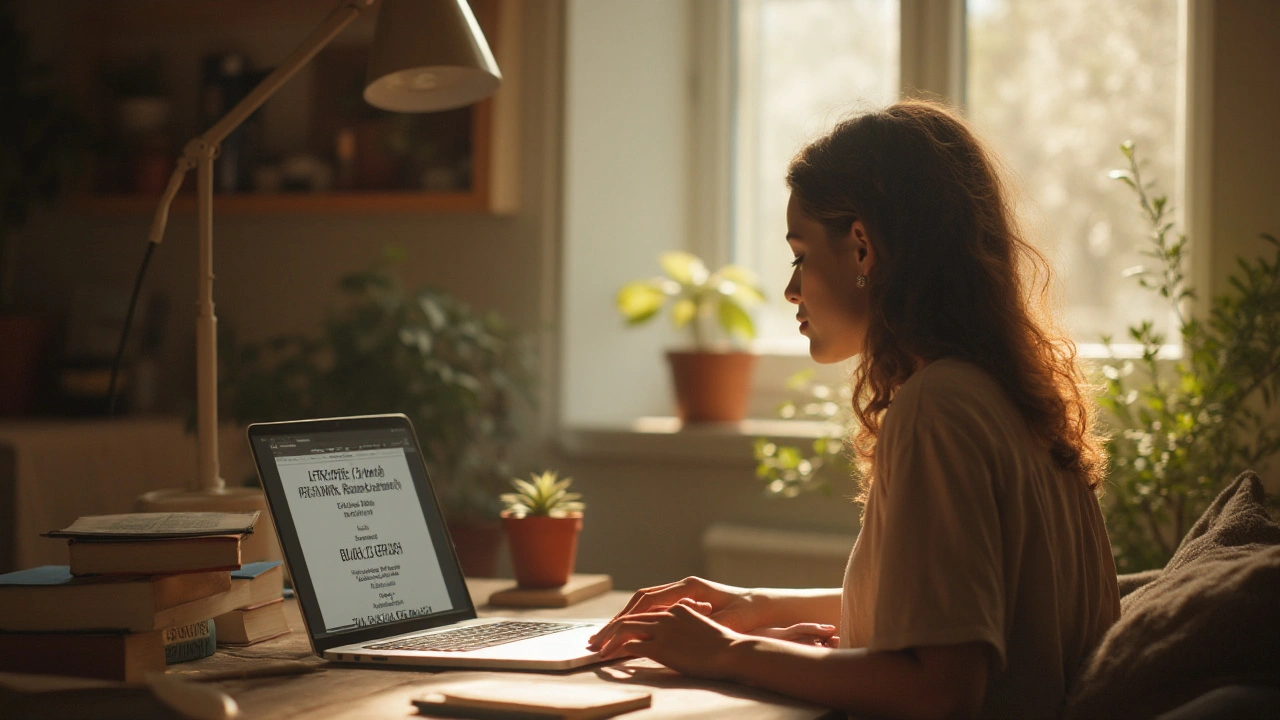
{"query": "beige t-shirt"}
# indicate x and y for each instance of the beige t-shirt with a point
(971, 533)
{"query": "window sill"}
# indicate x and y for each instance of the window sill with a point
(664, 439)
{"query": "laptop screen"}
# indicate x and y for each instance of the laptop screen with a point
(359, 525)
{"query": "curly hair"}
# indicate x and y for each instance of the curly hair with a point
(954, 275)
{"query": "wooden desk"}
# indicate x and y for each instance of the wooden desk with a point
(340, 692)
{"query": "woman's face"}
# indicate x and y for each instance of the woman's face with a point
(831, 308)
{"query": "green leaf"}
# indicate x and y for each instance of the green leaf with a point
(683, 312)
(685, 268)
(739, 283)
(735, 320)
(1123, 176)
(640, 300)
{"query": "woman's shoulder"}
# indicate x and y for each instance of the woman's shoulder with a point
(950, 391)
(949, 379)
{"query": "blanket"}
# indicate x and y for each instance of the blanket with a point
(1210, 618)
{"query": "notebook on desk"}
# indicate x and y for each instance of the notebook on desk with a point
(374, 570)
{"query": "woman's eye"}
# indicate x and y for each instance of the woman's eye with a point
(796, 263)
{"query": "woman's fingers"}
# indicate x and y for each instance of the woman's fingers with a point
(702, 608)
(624, 632)
(639, 597)
(597, 641)
(655, 599)
(663, 595)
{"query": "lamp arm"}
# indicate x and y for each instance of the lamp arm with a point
(343, 15)
(199, 154)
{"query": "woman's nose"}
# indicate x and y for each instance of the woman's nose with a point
(792, 290)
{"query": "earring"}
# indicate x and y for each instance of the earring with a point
(861, 281)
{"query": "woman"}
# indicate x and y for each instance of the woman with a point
(982, 575)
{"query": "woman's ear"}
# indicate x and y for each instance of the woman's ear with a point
(864, 252)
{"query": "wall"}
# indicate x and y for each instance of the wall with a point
(1246, 133)
(1246, 146)
(626, 180)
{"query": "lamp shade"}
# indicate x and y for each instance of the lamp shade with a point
(429, 55)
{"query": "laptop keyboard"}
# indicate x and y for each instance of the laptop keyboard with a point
(474, 637)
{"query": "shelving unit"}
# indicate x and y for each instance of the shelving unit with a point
(115, 27)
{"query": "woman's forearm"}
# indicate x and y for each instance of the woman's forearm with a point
(781, 607)
(940, 683)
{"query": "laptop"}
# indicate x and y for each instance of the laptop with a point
(373, 568)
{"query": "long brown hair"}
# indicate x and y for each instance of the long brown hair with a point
(953, 277)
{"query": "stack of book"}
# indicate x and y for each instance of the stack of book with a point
(140, 591)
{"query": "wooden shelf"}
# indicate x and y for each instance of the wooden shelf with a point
(340, 203)
(123, 26)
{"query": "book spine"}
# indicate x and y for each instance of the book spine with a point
(190, 642)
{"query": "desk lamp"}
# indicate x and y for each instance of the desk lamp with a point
(427, 55)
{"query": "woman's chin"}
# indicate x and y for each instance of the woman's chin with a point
(822, 358)
(827, 356)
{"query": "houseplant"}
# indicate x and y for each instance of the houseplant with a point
(542, 519)
(711, 380)
(789, 469)
(1180, 430)
(458, 374)
(41, 147)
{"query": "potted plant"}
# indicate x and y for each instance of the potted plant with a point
(712, 380)
(458, 374)
(542, 519)
(1181, 430)
(41, 148)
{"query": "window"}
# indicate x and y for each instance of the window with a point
(1054, 85)
(680, 117)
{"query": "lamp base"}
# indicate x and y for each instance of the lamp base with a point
(260, 545)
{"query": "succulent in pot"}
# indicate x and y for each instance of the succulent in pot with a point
(542, 519)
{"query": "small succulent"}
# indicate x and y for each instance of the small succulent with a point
(546, 495)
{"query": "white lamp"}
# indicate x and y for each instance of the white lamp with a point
(427, 55)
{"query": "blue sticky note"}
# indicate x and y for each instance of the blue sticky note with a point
(249, 571)
(43, 575)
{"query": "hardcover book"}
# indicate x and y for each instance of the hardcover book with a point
(265, 580)
(106, 656)
(254, 624)
(50, 598)
(155, 557)
(152, 526)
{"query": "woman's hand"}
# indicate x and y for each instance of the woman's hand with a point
(734, 608)
(815, 634)
(680, 637)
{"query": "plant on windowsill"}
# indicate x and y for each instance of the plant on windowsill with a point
(542, 519)
(458, 375)
(1179, 433)
(712, 381)
(788, 469)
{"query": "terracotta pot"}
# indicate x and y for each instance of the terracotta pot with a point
(711, 386)
(477, 547)
(543, 549)
(24, 346)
